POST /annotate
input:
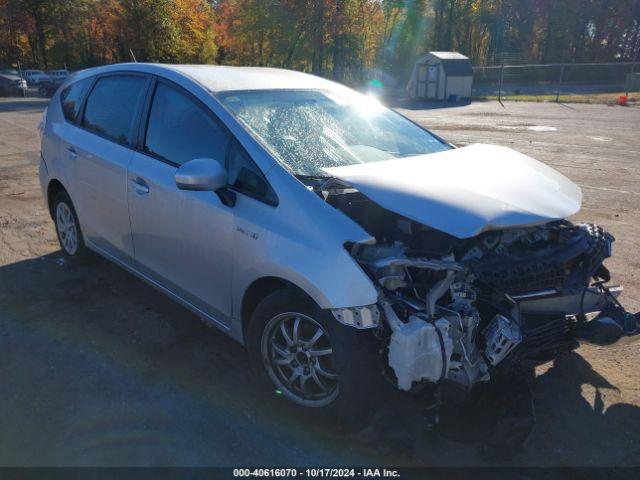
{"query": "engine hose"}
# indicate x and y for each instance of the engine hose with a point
(437, 291)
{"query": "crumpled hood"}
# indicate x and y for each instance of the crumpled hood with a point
(468, 190)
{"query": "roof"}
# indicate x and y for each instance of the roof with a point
(221, 78)
(10, 76)
(454, 64)
(218, 78)
(449, 55)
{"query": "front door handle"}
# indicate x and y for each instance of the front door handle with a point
(72, 152)
(139, 186)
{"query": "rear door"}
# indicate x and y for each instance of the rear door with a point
(100, 151)
(182, 239)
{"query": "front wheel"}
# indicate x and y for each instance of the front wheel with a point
(298, 357)
(303, 354)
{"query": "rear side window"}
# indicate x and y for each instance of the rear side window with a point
(112, 106)
(71, 98)
(180, 130)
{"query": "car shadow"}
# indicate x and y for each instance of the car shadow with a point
(579, 421)
(103, 369)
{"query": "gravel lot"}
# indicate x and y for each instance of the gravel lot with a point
(96, 368)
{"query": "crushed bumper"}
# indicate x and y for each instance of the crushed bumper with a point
(612, 325)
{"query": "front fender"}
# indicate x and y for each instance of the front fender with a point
(301, 241)
(328, 275)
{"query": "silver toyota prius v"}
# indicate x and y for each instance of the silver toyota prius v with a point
(341, 243)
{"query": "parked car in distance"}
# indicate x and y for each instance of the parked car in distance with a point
(338, 241)
(36, 77)
(48, 89)
(12, 85)
(58, 76)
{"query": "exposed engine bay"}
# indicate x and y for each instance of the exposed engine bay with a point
(455, 312)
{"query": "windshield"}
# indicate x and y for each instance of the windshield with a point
(311, 130)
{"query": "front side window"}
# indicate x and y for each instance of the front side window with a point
(180, 130)
(71, 98)
(246, 177)
(112, 106)
(309, 130)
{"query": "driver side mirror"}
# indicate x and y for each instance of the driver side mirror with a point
(202, 174)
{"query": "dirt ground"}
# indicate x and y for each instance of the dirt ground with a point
(96, 368)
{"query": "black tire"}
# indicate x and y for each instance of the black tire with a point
(354, 360)
(42, 91)
(80, 253)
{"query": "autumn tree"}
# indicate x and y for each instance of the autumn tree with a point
(340, 39)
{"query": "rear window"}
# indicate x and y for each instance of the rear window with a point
(71, 98)
(112, 106)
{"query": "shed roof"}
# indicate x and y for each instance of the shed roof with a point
(454, 64)
(449, 55)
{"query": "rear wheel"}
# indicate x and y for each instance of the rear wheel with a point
(303, 354)
(68, 227)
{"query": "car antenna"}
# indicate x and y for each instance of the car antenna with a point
(133, 56)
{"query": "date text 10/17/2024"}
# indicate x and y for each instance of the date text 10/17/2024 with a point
(316, 472)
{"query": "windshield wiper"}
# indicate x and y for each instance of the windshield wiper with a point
(312, 177)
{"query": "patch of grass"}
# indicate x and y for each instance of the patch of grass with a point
(597, 98)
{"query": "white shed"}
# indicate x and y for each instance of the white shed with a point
(441, 75)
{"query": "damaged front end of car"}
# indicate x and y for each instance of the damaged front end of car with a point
(455, 312)
(492, 307)
(494, 301)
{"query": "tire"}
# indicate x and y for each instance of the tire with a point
(68, 228)
(348, 373)
(42, 91)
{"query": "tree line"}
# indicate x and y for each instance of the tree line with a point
(342, 39)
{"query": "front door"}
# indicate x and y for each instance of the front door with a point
(182, 239)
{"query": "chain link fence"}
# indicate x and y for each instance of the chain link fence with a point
(575, 82)
(561, 82)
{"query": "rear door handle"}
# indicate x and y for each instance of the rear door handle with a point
(139, 186)
(72, 153)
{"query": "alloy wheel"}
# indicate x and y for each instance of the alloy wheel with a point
(298, 356)
(67, 228)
